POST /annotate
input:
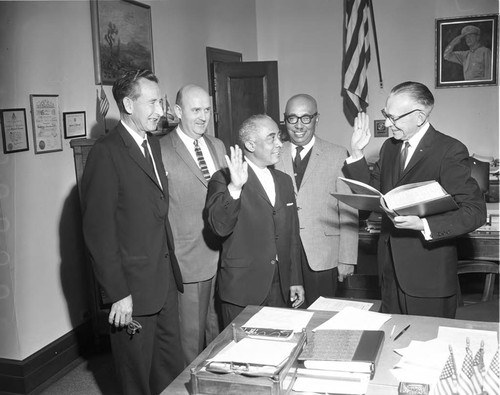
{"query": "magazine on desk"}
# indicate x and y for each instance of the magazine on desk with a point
(420, 198)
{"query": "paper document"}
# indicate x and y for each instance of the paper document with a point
(353, 318)
(274, 317)
(330, 304)
(323, 382)
(257, 352)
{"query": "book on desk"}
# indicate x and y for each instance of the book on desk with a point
(343, 350)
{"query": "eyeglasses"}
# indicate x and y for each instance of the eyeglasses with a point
(305, 119)
(133, 327)
(394, 119)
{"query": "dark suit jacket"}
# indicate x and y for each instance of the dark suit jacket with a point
(125, 222)
(256, 232)
(426, 268)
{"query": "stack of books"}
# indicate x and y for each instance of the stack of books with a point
(339, 361)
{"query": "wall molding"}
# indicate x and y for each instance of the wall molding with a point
(35, 373)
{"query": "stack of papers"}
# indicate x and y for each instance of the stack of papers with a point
(329, 304)
(277, 318)
(353, 318)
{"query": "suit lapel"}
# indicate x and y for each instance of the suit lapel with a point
(287, 162)
(186, 157)
(136, 154)
(314, 160)
(278, 200)
(254, 182)
(421, 151)
(213, 153)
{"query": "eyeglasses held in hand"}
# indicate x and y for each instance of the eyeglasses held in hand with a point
(133, 327)
(305, 119)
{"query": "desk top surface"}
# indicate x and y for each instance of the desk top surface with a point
(422, 328)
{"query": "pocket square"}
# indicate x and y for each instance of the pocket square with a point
(289, 204)
(166, 173)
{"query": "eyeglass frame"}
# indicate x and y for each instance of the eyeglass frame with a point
(394, 120)
(312, 116)
(133, 327)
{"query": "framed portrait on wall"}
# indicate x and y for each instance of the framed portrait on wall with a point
(122, 38)
(467, 51)
(46, 119)
(14, 130)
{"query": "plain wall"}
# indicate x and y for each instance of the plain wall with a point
(306, 39)
(46, 48)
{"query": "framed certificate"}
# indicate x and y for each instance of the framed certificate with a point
(14, 130)
(74, 124)
(46, 123)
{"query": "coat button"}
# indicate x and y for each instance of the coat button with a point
(167, 255)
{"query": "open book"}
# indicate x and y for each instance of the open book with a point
(420, 198)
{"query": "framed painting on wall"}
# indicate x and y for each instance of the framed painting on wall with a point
(467, 51)
(14, 130)
(46, 119)
(122, 38)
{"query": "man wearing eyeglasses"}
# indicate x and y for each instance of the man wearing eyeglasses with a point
(417, 257)
(328, 228)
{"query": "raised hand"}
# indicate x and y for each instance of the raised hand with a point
(238, 168)
(361, 135)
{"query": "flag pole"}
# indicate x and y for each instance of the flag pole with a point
(381, 82)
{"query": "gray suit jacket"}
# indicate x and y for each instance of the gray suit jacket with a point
(328, 228)
(197, 248)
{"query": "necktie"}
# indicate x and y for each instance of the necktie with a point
(147, 155)
(298, 160)
(201, 160)
(402, 159)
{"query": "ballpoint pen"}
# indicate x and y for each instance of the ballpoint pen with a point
(392, 331)
(400, 333)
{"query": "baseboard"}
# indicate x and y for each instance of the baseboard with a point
(34, 373)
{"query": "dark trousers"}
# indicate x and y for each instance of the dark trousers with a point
(147, 362)
(320, 283)
(396, 301)
(274, 298)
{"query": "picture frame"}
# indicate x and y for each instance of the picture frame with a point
(46, 118)
(379, 129)
(467, 51)
(14, 130)
(122, 38)
(75, 124)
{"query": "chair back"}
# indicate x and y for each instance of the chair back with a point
(480, 171)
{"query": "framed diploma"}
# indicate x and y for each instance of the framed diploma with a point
(46, 123)
(74, 124)
(14, 130)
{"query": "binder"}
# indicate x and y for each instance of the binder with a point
(421, 198)
(342, 350)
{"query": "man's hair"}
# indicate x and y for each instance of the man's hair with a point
(250, 127)
(419, 92)
(128, 85)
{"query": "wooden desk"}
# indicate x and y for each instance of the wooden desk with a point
(383, 383)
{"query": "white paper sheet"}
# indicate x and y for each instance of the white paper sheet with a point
(273, 317)
(353, 318)
(330, 304)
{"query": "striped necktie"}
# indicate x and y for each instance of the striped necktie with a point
(404, 155)
(147, 154)
(201, 160)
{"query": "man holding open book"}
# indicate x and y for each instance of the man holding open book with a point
(417, 256)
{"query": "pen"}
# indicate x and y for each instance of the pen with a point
(392, 332)
(400, 333)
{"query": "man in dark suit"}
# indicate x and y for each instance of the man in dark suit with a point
(254, 208)
(126, 229)
(191, 157)
(417, 257)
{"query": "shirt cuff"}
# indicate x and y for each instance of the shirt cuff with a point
(235, 194)
(427, 231)
(350, 159)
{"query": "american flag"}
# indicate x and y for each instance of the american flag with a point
(491, 383)
(356, 57)
(103, 103)
(479, 369)
(447, 383)
(465, 385)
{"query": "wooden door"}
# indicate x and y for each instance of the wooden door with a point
(243, 89)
